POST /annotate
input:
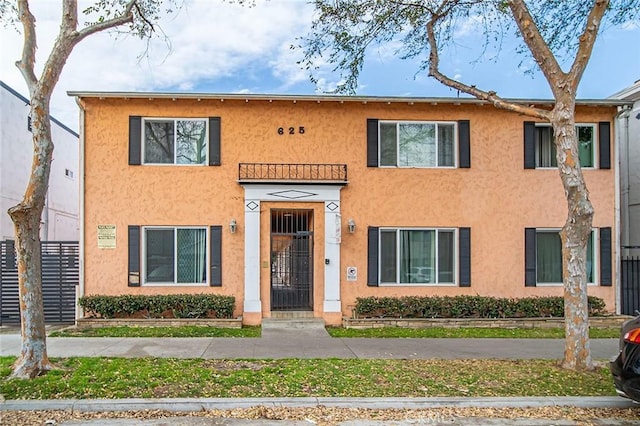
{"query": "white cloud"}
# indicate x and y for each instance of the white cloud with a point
(285, 67)
(208, 41)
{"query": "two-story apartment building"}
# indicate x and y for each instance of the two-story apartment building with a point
(309, 202)
(60, 218)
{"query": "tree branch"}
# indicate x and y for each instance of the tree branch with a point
(587, 40)
(124, 18)
(69, 37)
(492, 97)
(28, 59)
(537, 46)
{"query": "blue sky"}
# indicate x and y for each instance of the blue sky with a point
(223, 48)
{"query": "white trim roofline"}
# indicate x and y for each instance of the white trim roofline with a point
(630, 94)
(28, 102)
(331, 98)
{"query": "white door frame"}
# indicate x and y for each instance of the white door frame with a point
(254, 194)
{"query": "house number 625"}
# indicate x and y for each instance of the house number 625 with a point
(290, 130)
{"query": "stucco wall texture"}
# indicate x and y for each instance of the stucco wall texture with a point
(497, 198)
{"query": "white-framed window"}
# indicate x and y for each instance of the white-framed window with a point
(417, 256)
(175, 255)
(546, 147)
(175, 141)
(417, 144)
(549, 257)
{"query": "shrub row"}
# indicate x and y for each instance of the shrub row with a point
(467, 307)
(179, 305)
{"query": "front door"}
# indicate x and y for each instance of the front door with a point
(291, 259)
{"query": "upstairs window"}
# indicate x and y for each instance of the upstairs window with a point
(546, 147)
(417, 144)
(594, 147)
(175, 141)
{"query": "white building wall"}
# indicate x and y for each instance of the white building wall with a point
(628, 135)
(634, 176)
(60, 216)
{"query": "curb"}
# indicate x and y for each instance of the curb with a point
(199, 404)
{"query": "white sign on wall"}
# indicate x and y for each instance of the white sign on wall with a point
(338, 229)
(352, 273)
(106, 236)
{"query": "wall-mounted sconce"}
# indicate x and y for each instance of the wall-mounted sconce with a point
(233, 226)
(352, 226)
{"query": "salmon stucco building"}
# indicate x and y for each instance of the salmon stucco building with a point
(305, 203)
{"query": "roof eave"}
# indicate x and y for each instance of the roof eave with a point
(329, 98)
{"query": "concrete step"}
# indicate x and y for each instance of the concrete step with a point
(292, 323)
(291, 314)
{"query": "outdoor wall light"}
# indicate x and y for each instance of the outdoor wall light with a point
(352, 226)
(233, 225)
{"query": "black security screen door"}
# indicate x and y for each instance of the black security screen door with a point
(291, 259)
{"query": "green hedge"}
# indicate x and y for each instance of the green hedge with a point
(179, 305)
(467, 307)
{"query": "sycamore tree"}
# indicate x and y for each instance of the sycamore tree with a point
(136, 17)
(552, 32)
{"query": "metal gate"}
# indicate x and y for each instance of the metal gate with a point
(60, 276)
(291, 259)
(630, 285)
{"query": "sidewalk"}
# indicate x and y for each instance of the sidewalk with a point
(282, 343)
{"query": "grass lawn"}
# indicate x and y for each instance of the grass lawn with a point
(464, 332)
(183, 331)
(191, 378)
(388, 332)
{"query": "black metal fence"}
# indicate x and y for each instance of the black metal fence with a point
(630, 285)
(60, 276)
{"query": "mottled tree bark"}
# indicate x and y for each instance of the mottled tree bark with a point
(577, 227)
(575, 236)
(33, 360)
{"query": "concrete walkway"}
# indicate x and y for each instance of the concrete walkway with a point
(304, 343)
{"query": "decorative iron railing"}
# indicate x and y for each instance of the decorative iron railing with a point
(292, 172)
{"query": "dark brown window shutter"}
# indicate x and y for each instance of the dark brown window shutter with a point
(604, 145)
(372, 142)
(464, 246)
(530, 257)
(605, 257)
(372, 256)
(216, 256)
(134, 256)
(214, 141)
(135, 140)
(464, 144)
(529, 145)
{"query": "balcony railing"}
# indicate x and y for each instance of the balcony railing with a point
(300, 173)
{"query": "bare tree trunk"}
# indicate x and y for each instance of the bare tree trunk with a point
(575, 237)
(33, 360)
